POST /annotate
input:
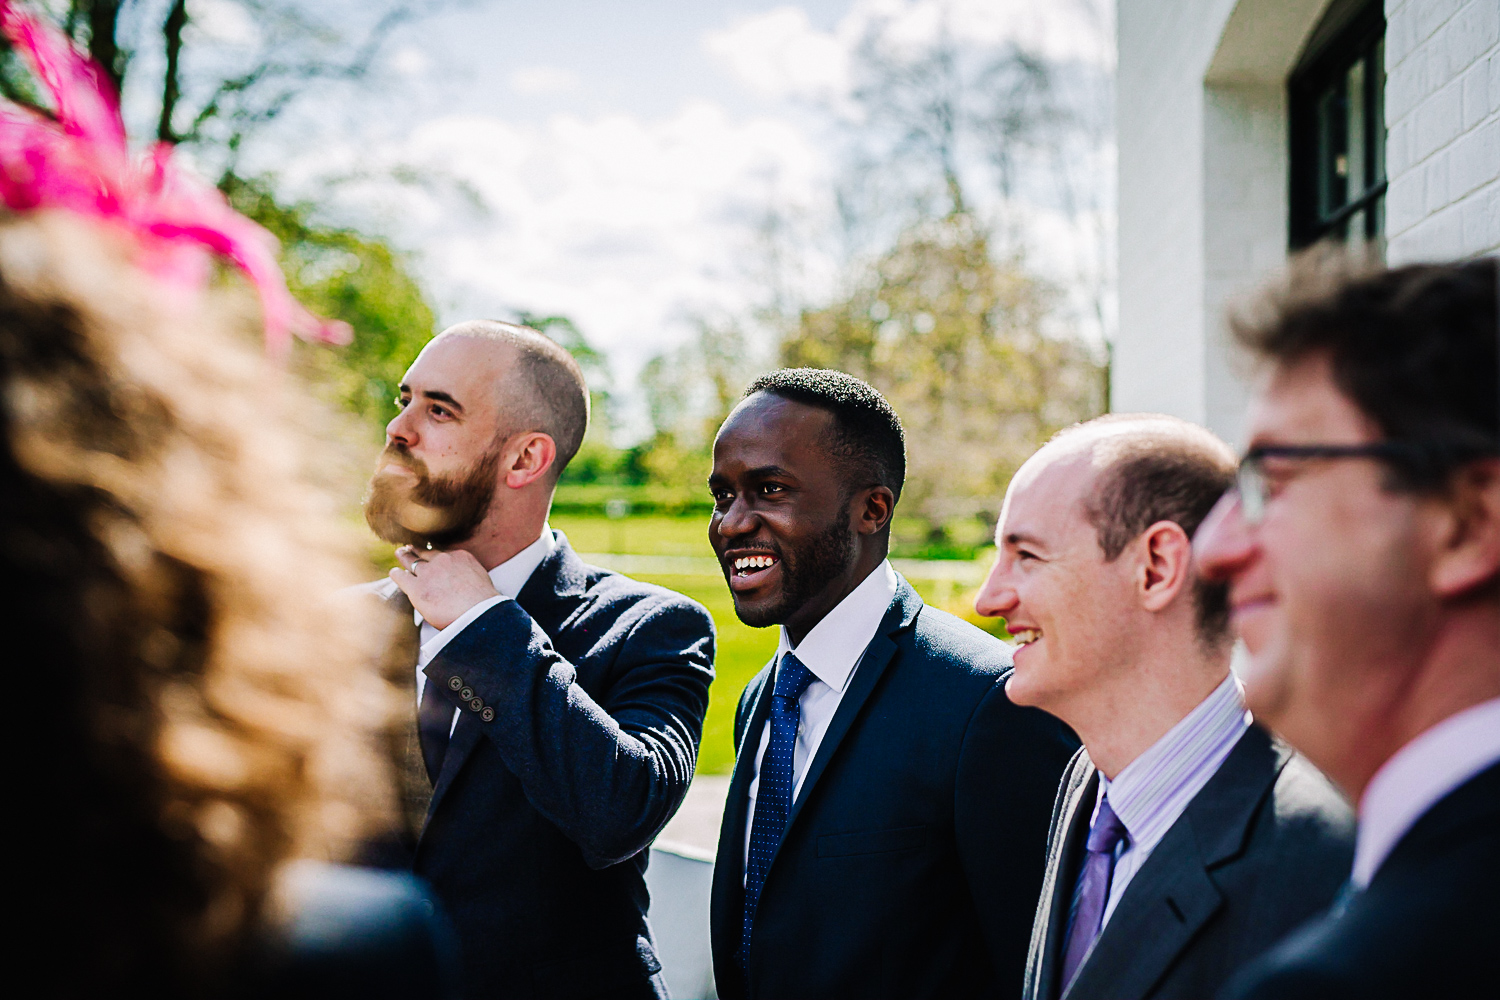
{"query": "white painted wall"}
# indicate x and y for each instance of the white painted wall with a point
(1442, 107)
(1202, 139)
(1203, 172)
(1164, 47)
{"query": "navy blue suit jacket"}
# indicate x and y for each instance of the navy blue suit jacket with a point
(575, 746)
(1428, 924)
(914, 853)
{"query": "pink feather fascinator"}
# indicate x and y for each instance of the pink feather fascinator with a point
(81, 162)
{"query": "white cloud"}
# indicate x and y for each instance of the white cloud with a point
(629, 226)
(223, 21)
(410, 61)
(537, 80)
(779, 54)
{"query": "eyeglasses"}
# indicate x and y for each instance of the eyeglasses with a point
(1250, 479)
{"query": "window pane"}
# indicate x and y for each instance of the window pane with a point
(1333, 150)
(1354, 175)
(1377, 114)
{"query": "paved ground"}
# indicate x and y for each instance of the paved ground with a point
(695, 828)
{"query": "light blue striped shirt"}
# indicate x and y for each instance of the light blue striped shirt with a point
(1152, 791)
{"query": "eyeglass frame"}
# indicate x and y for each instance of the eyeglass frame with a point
(1422, 458)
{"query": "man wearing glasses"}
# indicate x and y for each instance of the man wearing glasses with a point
(1362, 552)
(1184, 840)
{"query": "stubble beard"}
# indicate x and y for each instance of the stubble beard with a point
(435, 511)
(825, 557)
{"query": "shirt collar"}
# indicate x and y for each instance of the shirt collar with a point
(1419, 775)
(833, 646)
(1151, 791)
(510, 576)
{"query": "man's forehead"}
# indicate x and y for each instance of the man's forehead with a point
(460, 362)
(1301, 403)
(1047, 493)
(769, 424)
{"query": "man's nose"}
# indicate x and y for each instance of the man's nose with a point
(400, 429)
(1224, 545)
(738, 519)
(997, 597)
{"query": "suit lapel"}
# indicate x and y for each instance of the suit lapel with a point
(877, 656)
(1174, 895)
(1073, 827)
(732, 832)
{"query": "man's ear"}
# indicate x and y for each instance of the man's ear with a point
(1166, 555)
(873, 510)
(526, 458)
(1468, 551)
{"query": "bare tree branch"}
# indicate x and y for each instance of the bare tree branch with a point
(16, 95)
(171, 90)
(102, 18)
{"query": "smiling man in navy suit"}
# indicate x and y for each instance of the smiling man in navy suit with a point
(887, 818)
(556, 707)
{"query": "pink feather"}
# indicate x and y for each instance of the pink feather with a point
(81, 162)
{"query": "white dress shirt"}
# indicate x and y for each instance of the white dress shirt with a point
(1151, 793)
(830, 652)
(509, 577)
(1419, 775)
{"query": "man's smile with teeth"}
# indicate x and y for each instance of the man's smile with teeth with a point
(748, 564)
(1027, 635)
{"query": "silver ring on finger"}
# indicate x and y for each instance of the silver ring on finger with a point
(412, 569)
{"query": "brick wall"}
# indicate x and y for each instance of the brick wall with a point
(1442, 111)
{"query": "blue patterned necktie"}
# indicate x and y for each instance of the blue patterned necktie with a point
(773, 800)
(1093, 889)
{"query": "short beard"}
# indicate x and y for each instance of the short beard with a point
(824, 557)
(435, 512)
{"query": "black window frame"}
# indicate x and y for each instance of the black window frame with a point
(1349, 33)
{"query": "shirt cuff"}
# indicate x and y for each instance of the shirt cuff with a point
(432, 647)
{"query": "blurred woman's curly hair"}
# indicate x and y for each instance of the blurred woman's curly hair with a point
(198, 714)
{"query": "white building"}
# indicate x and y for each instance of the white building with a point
(1251, 127)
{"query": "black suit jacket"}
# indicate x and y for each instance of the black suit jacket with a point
(1264, 846)
(1428, 924)
(913, 854)
(576, 745)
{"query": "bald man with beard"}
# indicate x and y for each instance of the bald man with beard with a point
(556, 708)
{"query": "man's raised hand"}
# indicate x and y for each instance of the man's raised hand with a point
(442, 585)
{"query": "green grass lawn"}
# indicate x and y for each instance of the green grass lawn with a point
(742, 650)
(642, 535)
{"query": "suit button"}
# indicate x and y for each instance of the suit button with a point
(476, 704)
(488, 715)
(454, 683)
(466, 693)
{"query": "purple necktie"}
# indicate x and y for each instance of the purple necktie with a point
(1093, 889)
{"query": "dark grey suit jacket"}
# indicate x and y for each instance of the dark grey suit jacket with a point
(582, 705)
(1261, 849)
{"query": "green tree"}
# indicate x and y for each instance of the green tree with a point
(355, 278)
(598, 460)
(689, 391)
(960, 344)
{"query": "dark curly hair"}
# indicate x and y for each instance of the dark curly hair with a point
(199, 714)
